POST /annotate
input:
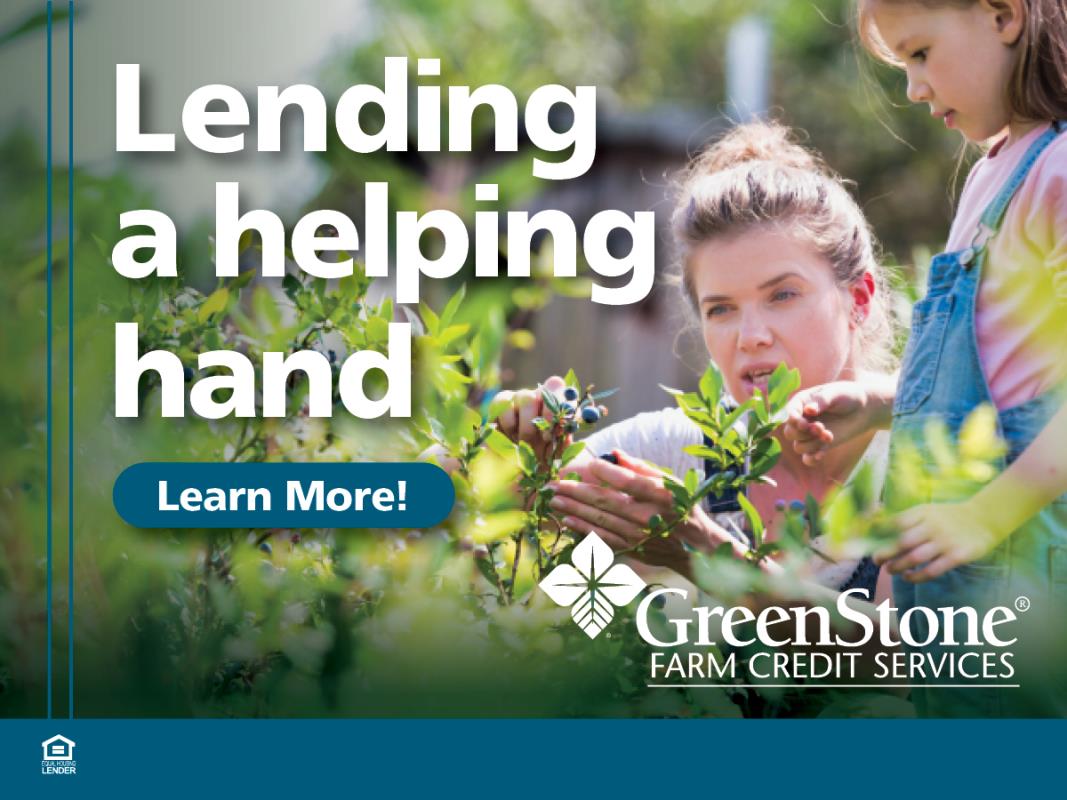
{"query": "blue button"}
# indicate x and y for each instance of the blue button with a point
(257, 495)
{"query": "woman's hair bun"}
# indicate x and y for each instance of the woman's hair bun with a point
(758, 174)
(758, 141)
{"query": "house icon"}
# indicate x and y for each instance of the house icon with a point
(58, 748)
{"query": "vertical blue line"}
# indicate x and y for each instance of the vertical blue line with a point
(70, 358)
(48, 356)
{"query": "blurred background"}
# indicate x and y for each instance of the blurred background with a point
(670, 76)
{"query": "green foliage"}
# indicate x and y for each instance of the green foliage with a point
(931, 468)
(742, 446)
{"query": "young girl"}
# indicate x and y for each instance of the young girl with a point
(992, 329)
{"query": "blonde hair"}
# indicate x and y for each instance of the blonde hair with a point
(1038, 86)
(757, 175)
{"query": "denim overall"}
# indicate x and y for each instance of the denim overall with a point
(942, 378)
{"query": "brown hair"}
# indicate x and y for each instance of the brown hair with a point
(1038, 86)
(757, 175)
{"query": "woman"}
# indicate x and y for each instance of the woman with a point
(778, 262)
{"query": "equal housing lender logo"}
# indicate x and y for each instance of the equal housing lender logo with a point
(57, 756)
(593, 586)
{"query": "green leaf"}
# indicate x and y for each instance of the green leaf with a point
(215, 303)
(243, 279)
(711, 385)
(861, 487)
(34, 22)
(692, 481)
(781, 386)
(759, 407)
(493, 527)
(521, 339)
(571, 379)
(352, 286)
(377, 329)
(811, 505)
(571, 452)
(689, 402)
(500, 444)
(291, 285)
(598, 396)
(735, 415)
(549, 399)
(528, 458)
(765, 456)
(451, 333)
(105, 249)
(429, 319)
(703, 451)
(485, 566)
(497, 407)
(452, 306)
(678, 491)
(754, 520)
(714, 482)
(766, 549)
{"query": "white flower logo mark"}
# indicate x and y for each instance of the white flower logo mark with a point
(592, 585)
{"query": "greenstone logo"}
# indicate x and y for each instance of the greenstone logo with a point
(593, 586)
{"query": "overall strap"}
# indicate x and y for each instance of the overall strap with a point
(993, 215)
(728, 501)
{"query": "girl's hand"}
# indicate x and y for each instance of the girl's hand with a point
(523, 407)
(825, 416)
(937, 537)
(617, 502)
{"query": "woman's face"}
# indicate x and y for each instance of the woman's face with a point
(766, 296)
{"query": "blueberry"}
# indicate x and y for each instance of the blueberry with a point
(590, 414)
(266, 548)
(729, 475)
(188, 374)
(797, 506)
(568, 407)
(570, 393)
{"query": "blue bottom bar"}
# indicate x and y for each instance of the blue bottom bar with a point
(528, 758)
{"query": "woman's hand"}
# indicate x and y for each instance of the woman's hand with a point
(522, 408)
(825, 416)
(617, 501)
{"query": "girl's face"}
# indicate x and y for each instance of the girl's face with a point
(766, 296)
(958, 60)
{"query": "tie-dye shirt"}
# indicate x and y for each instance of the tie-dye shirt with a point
(1021, 315)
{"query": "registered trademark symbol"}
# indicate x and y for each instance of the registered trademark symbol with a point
(1022, 603)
